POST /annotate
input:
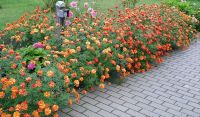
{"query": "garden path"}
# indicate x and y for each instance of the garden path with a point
(171, 89)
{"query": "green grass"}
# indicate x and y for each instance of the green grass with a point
(11, 10)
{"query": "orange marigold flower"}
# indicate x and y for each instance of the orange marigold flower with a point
(102, 86)
(50, 74)
(47, 111)
(41, 104)
(2, 94)
(51, 84)
(70, 101)
(93, 71)
(47, 94)
(16, 114)
(55, 107)
(39, 72)
(76, 82)
(35, 113)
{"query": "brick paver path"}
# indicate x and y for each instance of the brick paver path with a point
(171, 89)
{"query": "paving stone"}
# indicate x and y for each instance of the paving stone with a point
(91, 114)
(105, 107)
(162, 93)
(178, 99)
(171, 106)
(91, 107)
(163, 113)
(149, 113)
(141, 100)
(177, 113)
(78, 108)
(138, 94)
(118, 106)
(185, 106)
(127, 99)
(186, 93)
(158, 106)
(106, 114)
(74, 113)
(103, 100)
(194, 105)
(145, 106)
(89, 100)
(132, 106)
(116, 100)
(135, 113)
(120, 113)
(192, 113)
(156, 100)
(117, 95)
(174, 93)
(127, 94)
(102, 94)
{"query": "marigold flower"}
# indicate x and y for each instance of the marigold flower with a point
(55, 107)
(50, 74)
(51, 84)
(47, 94)
(93, 71)
(70, 101)
(102, 86)
(16, 114)
(39, 72)
(76, 82)
(2, 94)
(41, 104)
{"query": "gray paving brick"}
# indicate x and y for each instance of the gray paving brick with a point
(178, 99)
(91, 95)
(91, 114)
(102, 94)
(163, 113)
(162, 93)
(105, 107)
(116, 100)
(194, 92)
(106, 114)
(180, 88)
(127, 94)
(197, 110)
(169, 88)
(118, 106)
(154, 100)
(150, 94)
(117, 95)
(132, 101)
(186, 106)
(194, 105)
(135, 113)
(61, 114)
(141, 100)
(120, 113)
(149, 113)
(103, 100)
(177, 113)
(138, 94)
(158, 88)
(132, 106)
(174, 93)
(78, 108)
(89, 100)
(91, 107)
(158, 106)
(134, 88)
(166, 99)
(165, 83)
(192, 99)
(145, 106)
(124, 88)
(171, 106)
(74, 113)
(194, 114)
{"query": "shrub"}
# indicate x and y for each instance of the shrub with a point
(49, 73)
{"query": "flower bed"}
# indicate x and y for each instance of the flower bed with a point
(49, 72)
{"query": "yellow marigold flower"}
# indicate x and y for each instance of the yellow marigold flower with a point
(47, 94)
(50, 74)
(47, 111)
(16, 114)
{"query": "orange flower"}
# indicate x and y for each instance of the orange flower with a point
(2, 94)
(129, 60)
(47, 111)
(16, 114)
(113, 62)
(41, 104)
(102, 86)
(76, 82)
(70, 101)
(47, 94)
(93, 71)
(39, 72)
(81, 79)
(118, 68)
(50, 74)
(56, 115)
(55, 107)
(35, 113)
(27, 115)
(51, 84)
(74, 75)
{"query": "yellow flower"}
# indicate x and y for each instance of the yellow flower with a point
(16, 114)
(47, 94)
(50, 74)
(47, 111)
